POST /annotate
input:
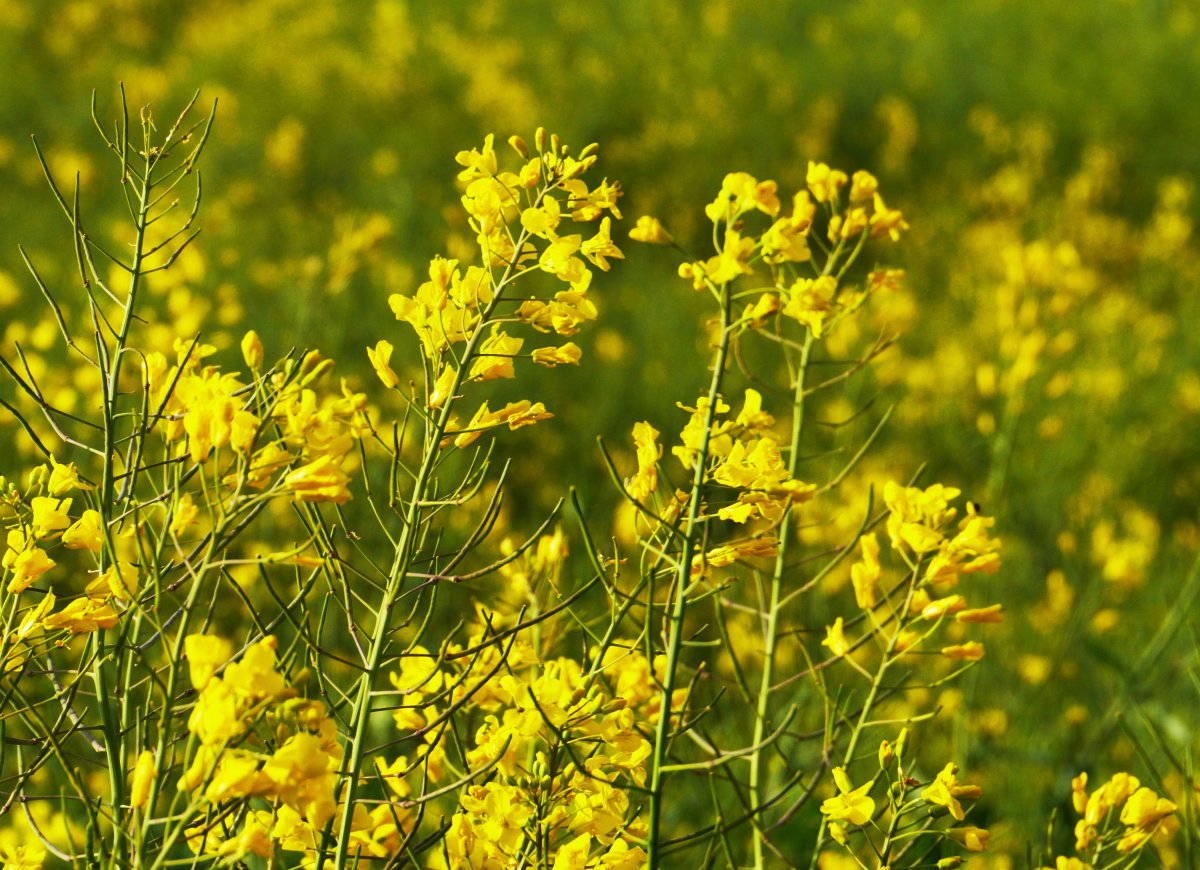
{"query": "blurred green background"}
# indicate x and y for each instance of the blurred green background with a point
(1045, 155)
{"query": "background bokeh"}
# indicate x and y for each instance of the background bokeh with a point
(1044, 154)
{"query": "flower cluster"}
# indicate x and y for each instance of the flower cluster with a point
(260, 745)
(817, 300)
(555, 748)
(462, 313)
(1121, 814)
(276, 424)
(905, 807)
(745, 472)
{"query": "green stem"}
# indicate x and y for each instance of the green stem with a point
(869, 704)
(771, 630)
(104, 660)
(402, 562)
(683, 578)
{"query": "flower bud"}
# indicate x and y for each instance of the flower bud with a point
(252, 350)
(886, 754)
(38, 476)
(539, 139)
(518, 145)
(143, 777)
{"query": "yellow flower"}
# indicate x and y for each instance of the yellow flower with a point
(810, 301)
(393, 775)
(1145, 809)
(864, 575)
(1064, 863)
(942, 606)
(851, 804)
(650, 231)
(823, 181)
(741, 192)
(945, 790)
(559, 259)
(205, 653)
(991, 613)
(27, 856)
(835, 638)
(787, 239)
(82, 616)
(863, 186)
(622, 856)
(380, 356)
(971, 651)
(243, 429)
(731, 262)
(649, 451)
(544, 220)
(184, 516)
(304, 777)
(765, 546)
(496, 354)
(49, 515)
(549, 357)
(974, 839)
(573, 855)
(1079, 792)
(600, 247)
(319, 480)
(442, 387)
(478, 163)
(916, 516)
(886, 221)
(63, 478)
(26, 562)
(119, 580)
(214, 718)
(254, 675)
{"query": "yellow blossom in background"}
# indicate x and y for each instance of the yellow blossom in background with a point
(650, 231)
(971, 651)
(973, 839)
(835, 638)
